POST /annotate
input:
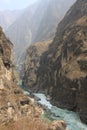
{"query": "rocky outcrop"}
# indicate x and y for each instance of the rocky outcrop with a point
(63, 68)
(32, 63)
(57, 125)
(13, 103)
(6, 58)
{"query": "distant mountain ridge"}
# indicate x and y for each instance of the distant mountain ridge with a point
(8, 17)
(38, 23)
(54, 13)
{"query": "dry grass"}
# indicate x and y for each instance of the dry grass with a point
(26, 124)
(82, 21)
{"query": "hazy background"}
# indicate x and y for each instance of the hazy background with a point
(14, 4)
(27, 22)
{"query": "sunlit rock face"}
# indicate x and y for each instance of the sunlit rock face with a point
(57, 125)
(65, 63)
(6, 57)
(13, 103)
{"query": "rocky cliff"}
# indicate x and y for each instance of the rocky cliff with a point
(6, 58)
(63, 68)
(32, 63)
(66, 67)
(17, 111)
(13, 103)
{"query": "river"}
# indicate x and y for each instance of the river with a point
(71, 118)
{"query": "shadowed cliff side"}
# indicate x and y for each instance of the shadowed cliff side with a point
(32, 63)
(66, 62)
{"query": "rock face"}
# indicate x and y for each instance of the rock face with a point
(57, 125)
(65, 63)
(6, 58)
(32, 63)
(13, 103)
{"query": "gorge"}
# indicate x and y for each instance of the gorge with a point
(62, 69)
(51, 58)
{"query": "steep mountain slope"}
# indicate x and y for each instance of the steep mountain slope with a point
(29, 28)
(19, 32)
(52, 16)
(17, 111)
(12, 99)
(63, 68)
(8, 17)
